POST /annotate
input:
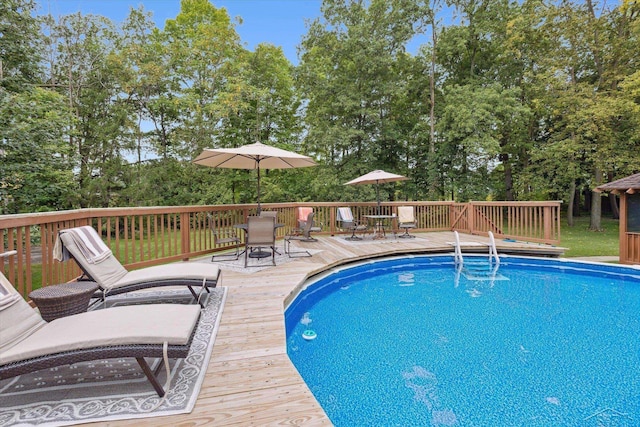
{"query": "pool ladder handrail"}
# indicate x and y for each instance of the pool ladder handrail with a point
(457, 252)
(493, 251)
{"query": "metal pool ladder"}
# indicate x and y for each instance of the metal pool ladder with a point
(493, 252)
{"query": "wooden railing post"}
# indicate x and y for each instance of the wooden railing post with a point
(332, 221)
(185, 232)
(471, 217)
(548, 222)
(625, 239)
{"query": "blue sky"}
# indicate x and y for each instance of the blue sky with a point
(280, 22)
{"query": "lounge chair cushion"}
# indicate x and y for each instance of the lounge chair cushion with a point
(17, 320)
(167, 272)
(110, 274)
(109, 327)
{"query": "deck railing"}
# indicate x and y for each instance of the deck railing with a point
(534, 222)
(146, 236)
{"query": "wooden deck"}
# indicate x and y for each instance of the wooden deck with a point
(250, 380)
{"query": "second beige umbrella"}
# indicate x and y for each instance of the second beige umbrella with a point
(377, 177)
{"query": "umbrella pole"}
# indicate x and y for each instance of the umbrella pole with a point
(259, 209)
(378, 196)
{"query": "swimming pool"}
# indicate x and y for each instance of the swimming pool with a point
(415, 341)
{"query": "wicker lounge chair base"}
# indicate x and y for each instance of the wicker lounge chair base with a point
(139, 352)
(192, 285)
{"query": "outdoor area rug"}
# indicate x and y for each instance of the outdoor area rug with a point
(368, 239)
(255, 265)
(114, 389)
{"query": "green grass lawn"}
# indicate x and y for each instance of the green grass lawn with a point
(580, 241)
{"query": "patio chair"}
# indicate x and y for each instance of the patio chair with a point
(306, 224)
(261, 232)
(224, 237)
(406, 220)
(301, 234)
(30, 344)
(98, 264)
(348, 222)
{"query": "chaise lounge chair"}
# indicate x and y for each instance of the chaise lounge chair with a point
(86, 247)
(30, 344)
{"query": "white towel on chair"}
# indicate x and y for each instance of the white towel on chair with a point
(89, 243)
(345, 214)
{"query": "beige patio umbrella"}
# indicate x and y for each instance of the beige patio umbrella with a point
(377, 177)
(253, 156)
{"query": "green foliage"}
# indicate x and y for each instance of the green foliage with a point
(513, 100)
(355, 109)
(35, 159)
(20, 42)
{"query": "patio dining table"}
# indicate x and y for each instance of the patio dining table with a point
(379, 224)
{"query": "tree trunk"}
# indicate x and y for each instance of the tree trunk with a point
(508, 177)
(576, 201)
(596, 204)
(587, 200)
(613, 200)
(570, 205)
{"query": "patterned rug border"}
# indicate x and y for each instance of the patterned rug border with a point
(48, 413)
(369, 240)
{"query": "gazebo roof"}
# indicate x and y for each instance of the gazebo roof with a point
(629, 184)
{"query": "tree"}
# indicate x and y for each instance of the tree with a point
(265, 110)
(205, 59)
(81, 47)
(473, 124)
(19, 45)
(35, 160)
(349, 75)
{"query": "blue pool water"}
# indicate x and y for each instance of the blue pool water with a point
(413, 342)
